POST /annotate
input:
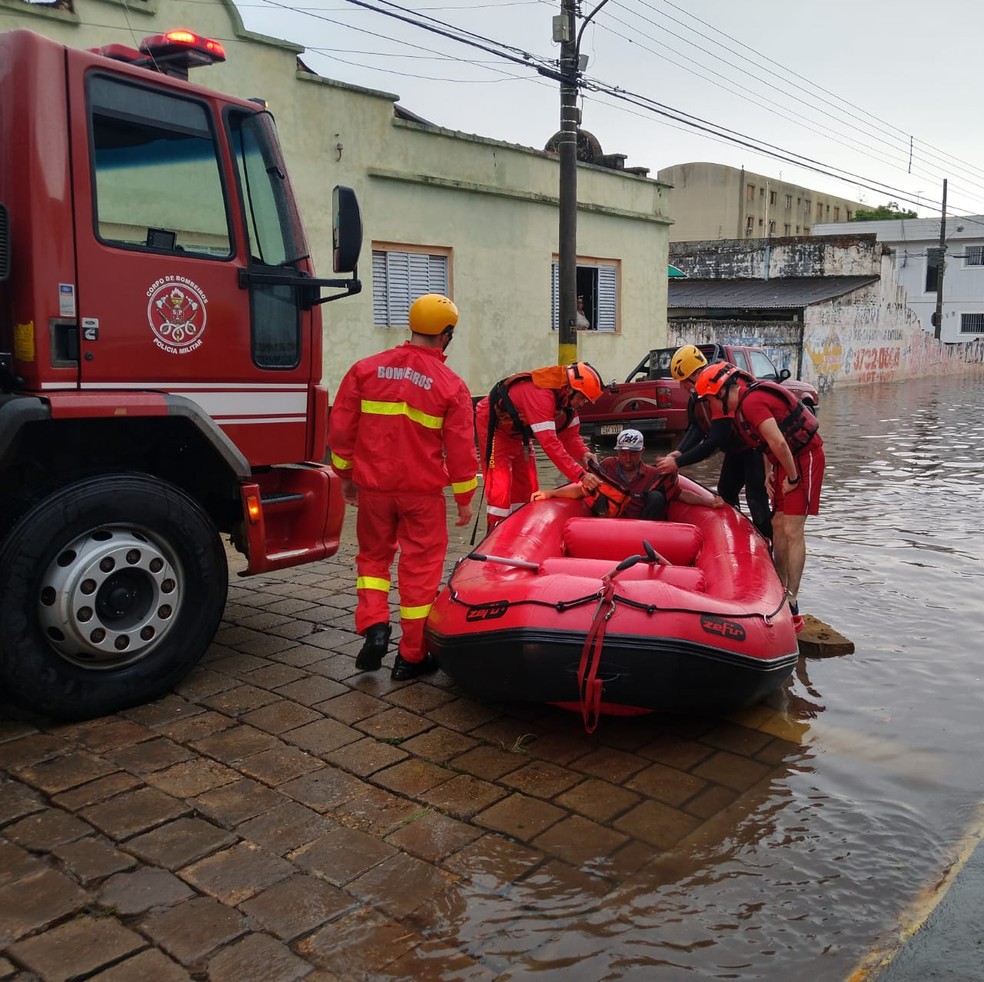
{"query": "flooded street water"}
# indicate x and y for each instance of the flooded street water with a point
(881, 770)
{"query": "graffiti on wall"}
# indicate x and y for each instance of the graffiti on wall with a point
(876, 341)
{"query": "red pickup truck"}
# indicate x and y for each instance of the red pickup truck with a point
(651, 401)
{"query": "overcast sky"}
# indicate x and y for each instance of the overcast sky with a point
(845, 83)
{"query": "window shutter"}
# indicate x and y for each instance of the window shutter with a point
(398, 278)
(380, 316)
(607, 299)
(555, 296)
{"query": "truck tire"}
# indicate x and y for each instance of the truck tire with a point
(112, 587)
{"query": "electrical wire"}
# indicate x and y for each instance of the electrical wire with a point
(548, 68)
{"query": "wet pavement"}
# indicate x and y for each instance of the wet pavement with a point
(282, 816)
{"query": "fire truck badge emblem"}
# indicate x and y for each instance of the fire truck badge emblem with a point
(177, 315)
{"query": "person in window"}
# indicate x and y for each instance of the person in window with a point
(637, 489)
(400, 430)
(540, 405)
(581, 322)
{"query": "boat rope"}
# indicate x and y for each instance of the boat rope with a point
(563, 605)
(559, 605)
(590, 687)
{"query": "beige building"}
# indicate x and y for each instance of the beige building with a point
(442, 210)
(713, 201)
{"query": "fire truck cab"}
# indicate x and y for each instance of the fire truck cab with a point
(160, 366)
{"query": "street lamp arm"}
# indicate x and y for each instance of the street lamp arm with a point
(587, 20)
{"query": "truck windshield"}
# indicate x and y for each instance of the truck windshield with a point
(274, 227)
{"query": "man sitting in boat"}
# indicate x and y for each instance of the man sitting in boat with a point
(630, 488)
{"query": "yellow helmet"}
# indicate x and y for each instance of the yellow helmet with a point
(432, 314)
(686, 361)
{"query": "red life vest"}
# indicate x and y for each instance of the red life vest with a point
(503, 411)
(612, 497)
(798, 427)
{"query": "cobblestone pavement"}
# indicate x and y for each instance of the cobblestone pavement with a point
(282, 816)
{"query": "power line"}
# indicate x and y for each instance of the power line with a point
(811, 83)
(547, 67)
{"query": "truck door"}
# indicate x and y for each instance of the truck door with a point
(161, 241)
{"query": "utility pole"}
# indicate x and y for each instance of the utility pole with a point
(564, 31)
(938, 316)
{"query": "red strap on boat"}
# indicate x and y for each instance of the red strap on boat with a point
(590, 686)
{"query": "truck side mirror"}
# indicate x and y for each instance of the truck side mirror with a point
(784, 373)
(346, 229)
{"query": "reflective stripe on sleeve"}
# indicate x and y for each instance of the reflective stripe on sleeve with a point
(463, 486)
(340, 463)
(545, 425)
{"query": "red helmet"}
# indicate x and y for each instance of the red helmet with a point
(585, 379)
(715, 378)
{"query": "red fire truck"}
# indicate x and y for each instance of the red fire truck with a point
(160, 366)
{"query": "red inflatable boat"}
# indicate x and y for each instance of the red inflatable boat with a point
(615, 615)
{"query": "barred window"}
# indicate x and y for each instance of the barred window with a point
(972, 323)
(974, 256)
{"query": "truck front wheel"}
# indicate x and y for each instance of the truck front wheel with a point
(112, 590)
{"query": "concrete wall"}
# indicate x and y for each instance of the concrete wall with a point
(492, 205)
(872, 335)
(868, 335)
(778, 258)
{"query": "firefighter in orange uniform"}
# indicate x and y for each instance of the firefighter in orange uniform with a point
(540, 405)
(401, 429)
(768, 417)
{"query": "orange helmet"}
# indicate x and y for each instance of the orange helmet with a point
(585, 379)
(432, 314)
(715, 378)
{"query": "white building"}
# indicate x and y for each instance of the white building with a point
(915, 246)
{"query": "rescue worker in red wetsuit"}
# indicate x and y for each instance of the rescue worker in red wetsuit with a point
(769, 417)
(648, 491)
(540, 405)
(401, 430)
(741, 466)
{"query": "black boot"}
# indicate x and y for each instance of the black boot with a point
(371, 655)
(404, 670)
